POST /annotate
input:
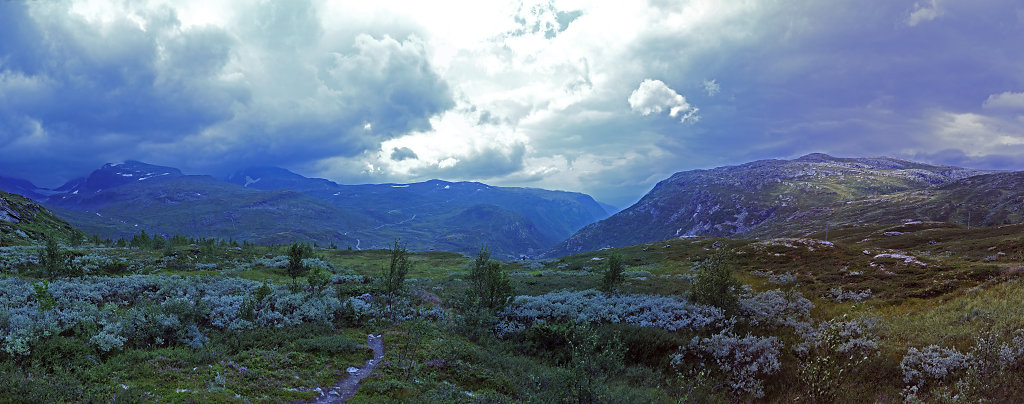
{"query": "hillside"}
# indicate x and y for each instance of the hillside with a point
(200, 206)
(555, 214)
(272, 205)
(24, 221)
(767, 198)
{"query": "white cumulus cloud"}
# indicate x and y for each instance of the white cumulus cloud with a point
(924, 11)
(653, 96)
(1006, 100)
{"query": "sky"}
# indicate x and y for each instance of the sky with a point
(601, 97)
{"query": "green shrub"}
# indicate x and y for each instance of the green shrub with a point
(648, 346)
(612, 276)
(491, 288)
(715, 284)
(329, 344)
(295, 255)
(393, 276)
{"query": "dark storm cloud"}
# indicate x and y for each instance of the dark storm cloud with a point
(70, 91)
(402, 153)
(481, 165)
(77, 92)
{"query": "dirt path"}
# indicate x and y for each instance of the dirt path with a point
(345, 389)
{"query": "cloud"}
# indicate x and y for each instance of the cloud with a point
(924, 11)
(266, 85)
(712, 88)
(1005, 101)
(653, 96)
(402, 153)
(514, 92)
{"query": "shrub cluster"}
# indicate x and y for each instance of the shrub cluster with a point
(777, 308)
(590, 306)
(743, 360)
(778, 279)
(145, 310)
(840, 295)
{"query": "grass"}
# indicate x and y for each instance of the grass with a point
(279, 365)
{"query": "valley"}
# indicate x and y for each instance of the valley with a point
(870, 288)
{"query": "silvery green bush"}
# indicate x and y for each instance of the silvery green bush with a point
(280, 262)
(778, 279)
(591, 306)
(743, 360)
(777, 308)
(143, 310)
(91, 263)
(857, 336)
(840, 295)
(932, 363)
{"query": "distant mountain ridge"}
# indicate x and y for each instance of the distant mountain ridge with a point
(274, 205)
(766, 198)
(555, 214)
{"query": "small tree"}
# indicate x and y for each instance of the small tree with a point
(491, 287)
(76, 238)
(317, 280)
(715, 284)
(158, 242)
(52, 258)
(394, 274)
(295, 267)
(613, 276)
(140, 240)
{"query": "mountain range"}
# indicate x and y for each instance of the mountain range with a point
(795, 198)
(272, 205)
(761, 199)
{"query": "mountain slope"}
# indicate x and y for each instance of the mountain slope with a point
(20, 187)
(22, 220)
(274, 206)
(983, 200)
(554, 214)
(202, 206)
(760, 198)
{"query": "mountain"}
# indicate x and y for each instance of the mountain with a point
(20, 187)
(424, 206)
(122, 200)
(609, 209)
(114, 175)
(767, 198)
(22, 220)
(272, 178)
(271, 205)
(983, 200)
